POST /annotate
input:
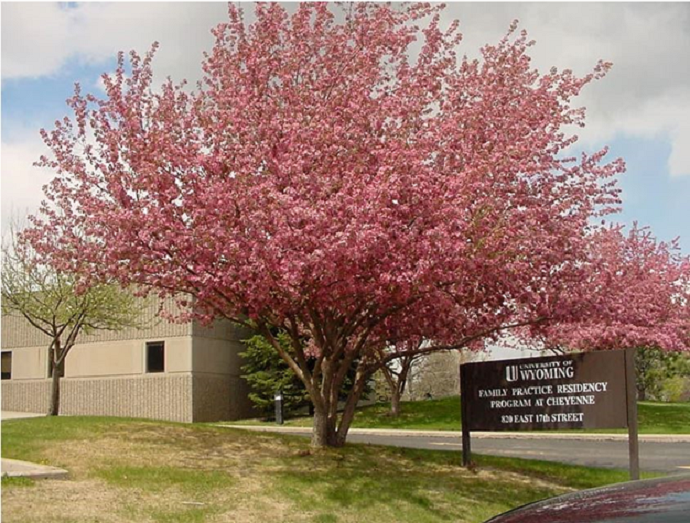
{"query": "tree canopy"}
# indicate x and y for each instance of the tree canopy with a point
(352, 182)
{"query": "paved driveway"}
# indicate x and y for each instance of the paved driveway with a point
(664, 453)
(657, 456)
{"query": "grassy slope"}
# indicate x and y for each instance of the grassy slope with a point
(444, 414)
(132, 470)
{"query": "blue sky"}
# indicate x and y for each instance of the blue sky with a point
(651, 195)
(42, 100)
(641, 110)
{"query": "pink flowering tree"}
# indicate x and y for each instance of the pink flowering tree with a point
(637, 295)
(352, 183)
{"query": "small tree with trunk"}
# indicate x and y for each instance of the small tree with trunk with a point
(55, 303)
(396, 372)
(348, 182)
(409, 372)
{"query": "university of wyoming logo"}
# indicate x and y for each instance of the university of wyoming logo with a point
(511, 373)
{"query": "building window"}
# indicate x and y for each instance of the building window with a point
(6, 365)
(155, 356)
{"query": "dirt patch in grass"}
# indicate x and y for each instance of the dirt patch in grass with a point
(157, 473)
(60, 500)
(167, 473)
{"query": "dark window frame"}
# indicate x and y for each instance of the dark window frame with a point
(157, 365)
(6, 375)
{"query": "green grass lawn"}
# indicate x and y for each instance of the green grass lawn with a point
(444, 414)
(133, 470)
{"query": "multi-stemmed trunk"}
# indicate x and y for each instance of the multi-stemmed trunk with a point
(325, 375)
(330, 426)
(323, 378)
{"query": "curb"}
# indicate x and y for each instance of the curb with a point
(651, 438)
(15, 468)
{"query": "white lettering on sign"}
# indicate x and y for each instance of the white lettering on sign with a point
(547, 374)
(534, 390)
(570, 400)
(492, 393)
(546, 392)
(517, 418)
(510, 404)
(574, 388)
(562, 417)
(560, 395)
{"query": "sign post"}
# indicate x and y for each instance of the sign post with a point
(466, 441)
(631, 410)
(576, 391)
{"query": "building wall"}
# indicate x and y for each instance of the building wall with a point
(153, 396)
(17, 332)
(29, 363)
(102, 358)
(126, 357)
(105, 372)
(220, 393)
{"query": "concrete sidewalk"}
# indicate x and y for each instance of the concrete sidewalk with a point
(24, 469)
(652, 438)
(7, 415)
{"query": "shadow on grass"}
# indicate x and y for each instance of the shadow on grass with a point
(401, 485)
(357, 483)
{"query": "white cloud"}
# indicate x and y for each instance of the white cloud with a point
(35, 39)
(647, 94)
(21, 182)
(39, 38)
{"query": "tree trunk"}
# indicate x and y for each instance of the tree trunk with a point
(395, 395)
(323, 381)
(55, 393)
(324, 432)
(398, 383)
(395, 402)
(350, 406)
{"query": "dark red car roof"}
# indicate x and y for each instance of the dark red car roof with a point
(662, 500)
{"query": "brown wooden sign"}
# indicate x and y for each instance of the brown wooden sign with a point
(561, 392)
(576, 391)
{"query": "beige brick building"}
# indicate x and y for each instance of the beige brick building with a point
(177, 372)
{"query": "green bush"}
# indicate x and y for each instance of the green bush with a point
(676, 389)
(267, 374)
